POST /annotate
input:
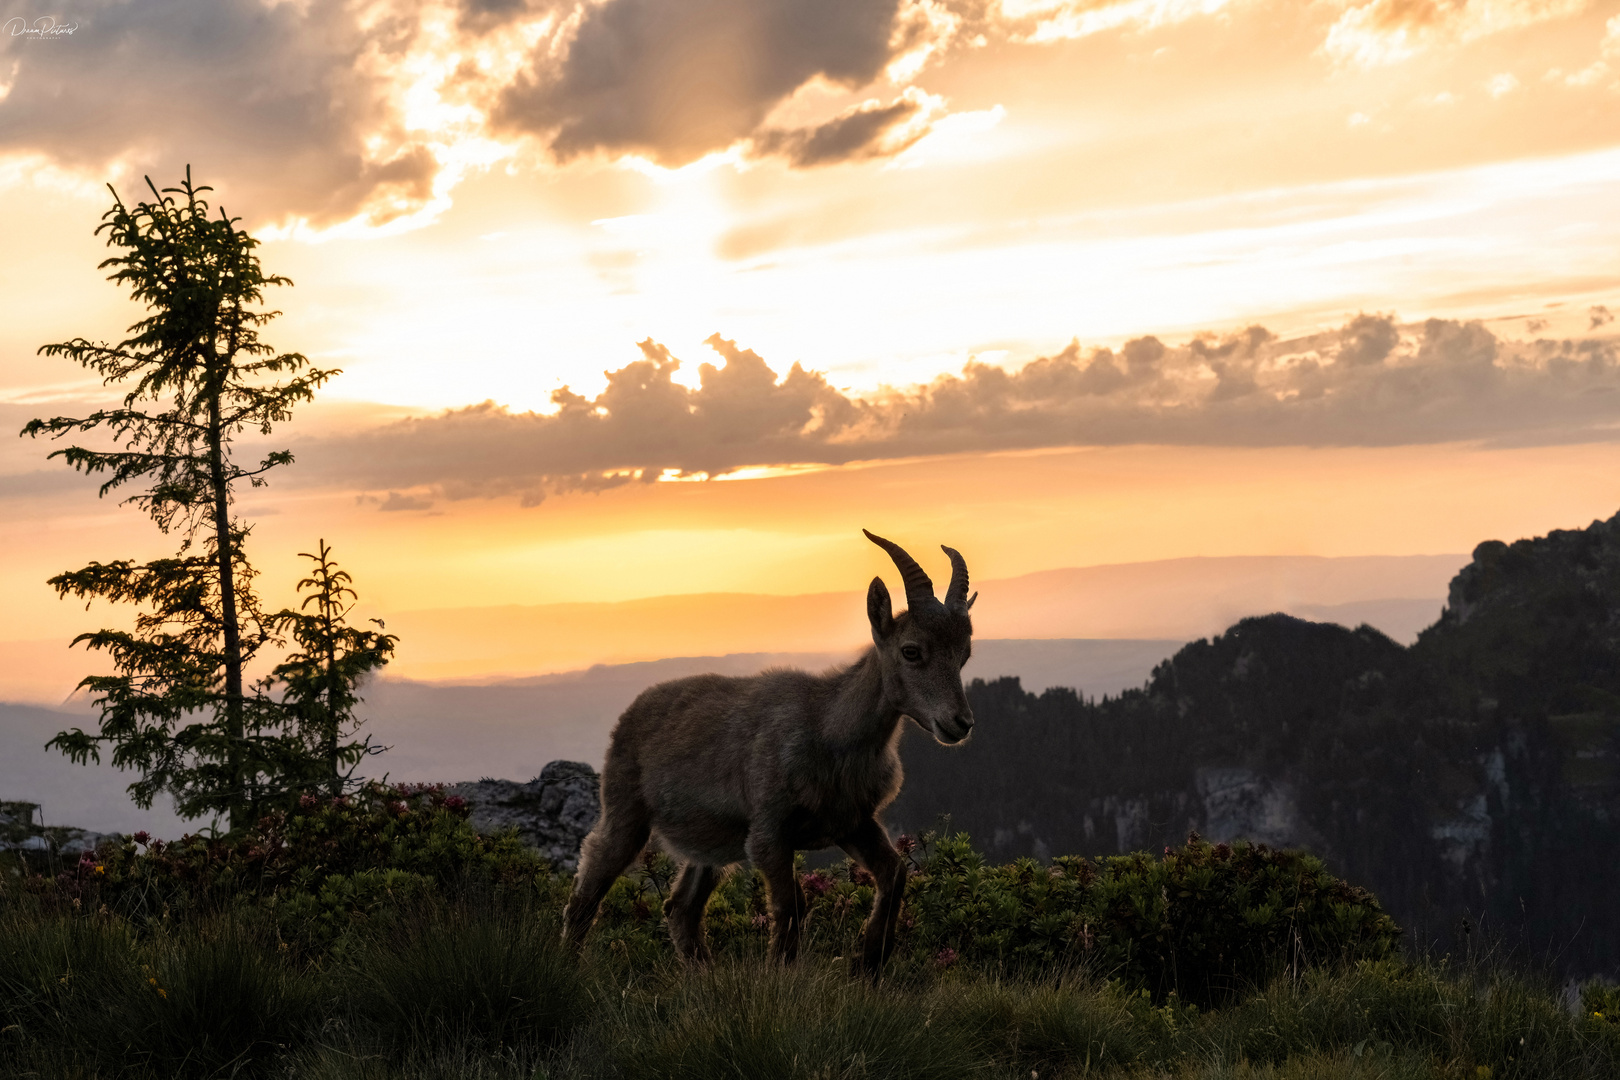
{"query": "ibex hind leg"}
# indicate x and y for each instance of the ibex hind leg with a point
(609, 849)
(684, 910)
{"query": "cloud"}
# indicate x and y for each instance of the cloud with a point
(290, 104)
(1371, 382)
(1040, 21)
(484, 15)
(869, 130)
(1389, 31)
(675, 80)
(396, 502)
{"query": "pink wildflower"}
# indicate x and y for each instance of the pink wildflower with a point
(945, 957)
(816, 883)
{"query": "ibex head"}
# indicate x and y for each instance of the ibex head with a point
(922, 651)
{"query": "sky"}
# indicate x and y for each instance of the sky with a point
(645, 297)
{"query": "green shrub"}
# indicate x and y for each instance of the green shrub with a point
(1205, 921)
(320, 868)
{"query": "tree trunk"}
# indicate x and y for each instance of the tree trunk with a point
(329, 735)
(235, 728)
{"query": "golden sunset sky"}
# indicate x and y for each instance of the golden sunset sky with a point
(636, 298)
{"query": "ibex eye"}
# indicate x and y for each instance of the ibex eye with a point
(911, 652)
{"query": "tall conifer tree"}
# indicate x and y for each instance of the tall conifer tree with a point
(197, 376)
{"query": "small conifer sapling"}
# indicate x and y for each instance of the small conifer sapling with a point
(319, 683)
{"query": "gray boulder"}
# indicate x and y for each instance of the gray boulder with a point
(552, 813)
(20, 832)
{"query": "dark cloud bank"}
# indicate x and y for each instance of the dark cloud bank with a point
(297, 108)
(276, 101)
(677, 79)
(1370, 383)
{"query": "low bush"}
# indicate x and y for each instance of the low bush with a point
(318, 869)
(1203, 922)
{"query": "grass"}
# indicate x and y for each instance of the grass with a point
(479, 989)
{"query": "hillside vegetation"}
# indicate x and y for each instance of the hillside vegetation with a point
(380, 936)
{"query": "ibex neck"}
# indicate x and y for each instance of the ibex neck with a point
(860, 713)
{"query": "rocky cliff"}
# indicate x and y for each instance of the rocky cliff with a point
(1471, 779)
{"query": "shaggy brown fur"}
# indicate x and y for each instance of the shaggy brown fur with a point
(721, 769)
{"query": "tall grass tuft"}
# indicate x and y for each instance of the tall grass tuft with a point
(1074, 1023)
(53, 970)
(1498, 1022)
(484, 974)
(755, 1019)
(219, 999)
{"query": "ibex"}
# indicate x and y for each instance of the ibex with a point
(720, 769)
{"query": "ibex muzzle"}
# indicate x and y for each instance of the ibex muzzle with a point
(720, 769)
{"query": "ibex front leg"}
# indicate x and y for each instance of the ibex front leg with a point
(774, 860)
(870, 847)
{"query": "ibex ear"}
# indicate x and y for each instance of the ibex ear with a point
(880, 611)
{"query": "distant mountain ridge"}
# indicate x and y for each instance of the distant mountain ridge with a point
(1172, 599)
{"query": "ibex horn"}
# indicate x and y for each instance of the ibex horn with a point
(919, 589)
(956, 597)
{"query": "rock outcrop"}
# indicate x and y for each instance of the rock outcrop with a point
(552, 813)
(20, 832)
